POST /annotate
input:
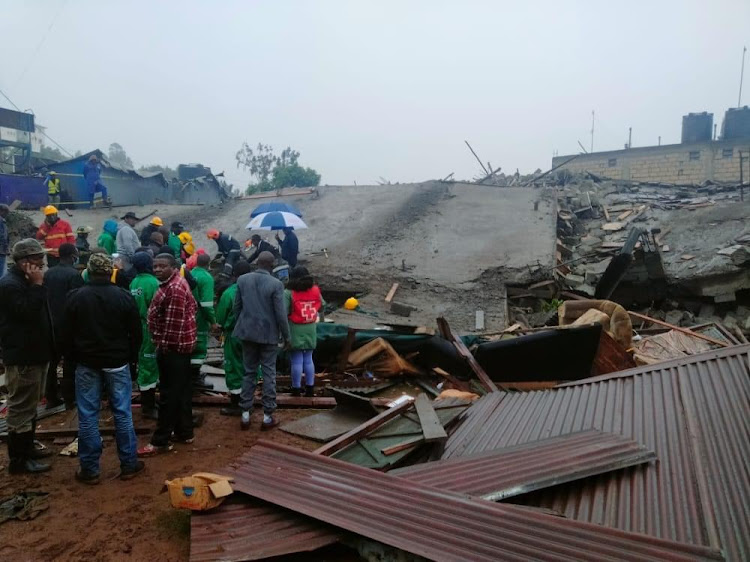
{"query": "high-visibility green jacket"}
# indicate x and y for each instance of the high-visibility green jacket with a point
(204, 296)
(107, 241)
(143, 288)
(225, 316)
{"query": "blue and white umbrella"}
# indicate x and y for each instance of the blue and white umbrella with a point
(275, 206)
(276, 220)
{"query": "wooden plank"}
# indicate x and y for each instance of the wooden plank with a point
(678, 329)
(432, 429)
(393, 449)
(623, 216)
(13, 206)
(391, 293)
(351, 334)
(457, 384)
(606, 212)
(611, 356)
(613, 226)
(484, 379)
(362, 430)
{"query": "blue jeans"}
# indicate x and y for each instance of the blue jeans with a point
(88, 396)
(3, 266)
(302, 359)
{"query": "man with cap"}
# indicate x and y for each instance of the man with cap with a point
(227, 246)
(261, 324)
(4, 242)
(171, 322)
(82, 244)
(107, 239)
(53, 188)
(149, 229)
(27, 340)
(102, 330)
(53, 232)
(205, 318)
(127, 239)
(60, 280)
(92, 173)
(225, 317)
(143, 288)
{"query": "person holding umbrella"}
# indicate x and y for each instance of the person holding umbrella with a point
(289, 246)
(285, 221)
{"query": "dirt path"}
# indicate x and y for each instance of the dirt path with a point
(124, 520)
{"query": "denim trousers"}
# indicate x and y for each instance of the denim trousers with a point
(3, 265)
(265, 355)
(89, 384)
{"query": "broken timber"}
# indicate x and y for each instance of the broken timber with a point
(446, 332)
(678, 329)
(432, 429)
(391, 293)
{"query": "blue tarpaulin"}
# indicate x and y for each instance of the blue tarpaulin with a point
(29, 190)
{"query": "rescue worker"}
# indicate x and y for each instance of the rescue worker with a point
(53, 233)
(226, 318)
(150, 228)
(92, 173)
(82, 244)
(107, 239)
(27, 341)
(143, 288)
(53, 188)
(261, 246)
(205, 318)
(227, 246)
(174, 241)
(188, 248)
(289, 246)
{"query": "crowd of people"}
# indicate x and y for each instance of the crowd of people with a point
(140, 307)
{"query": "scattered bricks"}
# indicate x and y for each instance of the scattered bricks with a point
(400, 309)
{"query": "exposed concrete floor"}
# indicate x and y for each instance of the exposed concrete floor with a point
(446, 236)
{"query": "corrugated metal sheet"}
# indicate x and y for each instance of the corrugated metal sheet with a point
(693, 412)
(436, 524)
(496, 475)
(253, 530)
(30, 191)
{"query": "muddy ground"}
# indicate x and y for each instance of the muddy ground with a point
(130, 520)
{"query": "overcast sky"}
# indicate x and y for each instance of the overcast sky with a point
(370, 89)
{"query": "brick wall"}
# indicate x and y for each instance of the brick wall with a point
(675, 163)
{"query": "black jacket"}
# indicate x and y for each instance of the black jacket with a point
(290, 249)
(60, 280)
(101, 328)
(148, 230)
(263, 247)
(26, 334)
(226, 244)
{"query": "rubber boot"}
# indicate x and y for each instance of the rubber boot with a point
(23, 463)
(296, 391)
(234, 407)
(148, 404)
(15, 456)
(38, 451)
(310, 391)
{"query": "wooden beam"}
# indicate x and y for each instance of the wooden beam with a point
(361, 430)
(606, 212)
(393, 449)
(432, 429)
(678, 329)
(391, 293)
(351, 334)
(446, 332)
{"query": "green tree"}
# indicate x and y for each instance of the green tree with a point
(117, 156)
(52, 153)
(271, 172)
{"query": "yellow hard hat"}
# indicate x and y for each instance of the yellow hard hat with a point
(50, 210)
(156, 221)
(185, 237)
(351, 303)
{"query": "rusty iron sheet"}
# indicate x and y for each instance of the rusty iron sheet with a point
(250, 529)
(350, 411)
(693, 412)
(503, 473)
(432, 523)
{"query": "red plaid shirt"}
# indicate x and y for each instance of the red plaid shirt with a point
(171, 316)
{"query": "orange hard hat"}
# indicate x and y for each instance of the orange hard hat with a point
(212, 233)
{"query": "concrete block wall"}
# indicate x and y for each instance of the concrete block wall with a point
(676, 163)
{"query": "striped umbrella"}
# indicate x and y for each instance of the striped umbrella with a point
(276, 220)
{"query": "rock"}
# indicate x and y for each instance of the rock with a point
(673, 317)
(688, 319)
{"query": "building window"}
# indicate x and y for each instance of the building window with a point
(612, 162)
(727, 153)
(694, 155)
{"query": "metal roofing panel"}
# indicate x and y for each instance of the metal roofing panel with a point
(693, 412)
(436, 524)
(254, 530)
(499, 474)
